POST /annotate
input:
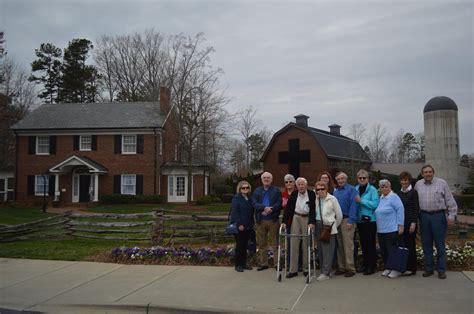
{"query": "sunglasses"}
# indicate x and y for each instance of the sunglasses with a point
(323, 189)
(362, 178)
(288, 181)
(244, 188)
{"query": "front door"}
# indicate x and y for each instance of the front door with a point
(84, 186)
(177, 188)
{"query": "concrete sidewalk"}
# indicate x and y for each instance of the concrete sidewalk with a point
(84, 287)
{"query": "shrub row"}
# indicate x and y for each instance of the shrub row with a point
(131, 199)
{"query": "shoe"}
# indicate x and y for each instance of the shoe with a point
(394, 274)
(305, 273)
(291, 275)
(349, 274)
(386, 272)
(240, 269)
(260, 268)
(441, 275)
(361, 269)
(427, 273)
(247, 267)
(339, 272)
(323, 277)
(408, 273)
(369, 271)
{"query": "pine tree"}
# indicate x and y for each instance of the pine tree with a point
(79, 79)
(49, 65)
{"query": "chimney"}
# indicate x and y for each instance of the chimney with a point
(335, 129)
(302, 120)
(165, 99)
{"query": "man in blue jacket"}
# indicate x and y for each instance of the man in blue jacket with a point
(267, 203)
(346, 196)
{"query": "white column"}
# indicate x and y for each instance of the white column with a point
(56, 187)
(96, 187)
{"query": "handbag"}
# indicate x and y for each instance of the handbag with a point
(325, 234)
(232, 226)
(398, 258)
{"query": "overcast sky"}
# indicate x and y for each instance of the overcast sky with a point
(336, 61)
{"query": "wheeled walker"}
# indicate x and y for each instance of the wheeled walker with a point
(283, 234)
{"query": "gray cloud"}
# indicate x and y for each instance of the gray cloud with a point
(336, 61)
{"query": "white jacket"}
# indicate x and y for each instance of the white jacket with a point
(331, 212)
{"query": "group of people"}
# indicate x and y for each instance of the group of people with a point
(338, 209)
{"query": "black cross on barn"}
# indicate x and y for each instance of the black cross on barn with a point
(294, 156)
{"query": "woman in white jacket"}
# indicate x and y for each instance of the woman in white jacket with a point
(328, 212)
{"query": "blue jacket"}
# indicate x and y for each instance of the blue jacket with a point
(368, 202)
(346, 197)
(274, 196)
(242, 212)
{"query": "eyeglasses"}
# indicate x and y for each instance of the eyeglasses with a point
(320, 189)
(266, 178)
(384, 187)
(244, 188)
(288, 181)
(362, 178)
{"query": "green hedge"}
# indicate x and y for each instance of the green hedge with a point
(131, 199)
(205, 200)
(465, 201)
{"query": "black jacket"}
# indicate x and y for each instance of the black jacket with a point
(290, 207)
(411, 205)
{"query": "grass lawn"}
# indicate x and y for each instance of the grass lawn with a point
(18, 215)
(62, 249)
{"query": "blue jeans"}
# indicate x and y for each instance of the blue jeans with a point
(388, 243)
(433, 228)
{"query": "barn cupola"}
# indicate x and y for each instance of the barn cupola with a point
(302, 120)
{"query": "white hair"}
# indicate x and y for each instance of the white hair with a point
(289, 177)
(302, 179)
(268, 174)
(362, 172)
(385, 182)
(341, 174)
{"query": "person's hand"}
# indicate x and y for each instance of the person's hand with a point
(412, 227)
(400, 230)
(450, 222)
(311, 226)
(357, 199)
(241, 228)
(349, 226)
(283, 225)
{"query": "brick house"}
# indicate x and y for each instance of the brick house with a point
(75, 153)
(305, 151)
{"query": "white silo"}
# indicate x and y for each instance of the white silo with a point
(442, 139)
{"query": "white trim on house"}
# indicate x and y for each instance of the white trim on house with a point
(81, 142)
(37, 145)
(122, 177)
(4, 190)
(75, 161)
(134, 152)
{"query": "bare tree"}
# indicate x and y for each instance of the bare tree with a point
(396, 155)
(356, 132)
(378, 142)
(249, 125)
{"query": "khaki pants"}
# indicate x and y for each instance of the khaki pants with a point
(264, 230)
(345, 247)
(299, 226)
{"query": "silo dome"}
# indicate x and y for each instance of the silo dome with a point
(440, 103)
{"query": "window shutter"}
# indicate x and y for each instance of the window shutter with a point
(31, 145)
(117, 184)
(31, 185)
(94, 142)
(76, 142)
(51, 186)
(118, 144)
(52, 145)
(140, 144)
(139, 184)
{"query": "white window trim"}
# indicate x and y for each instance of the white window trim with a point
(36, 148)
(121, 184)
(36, 185)
(80, 143)
(123, 145)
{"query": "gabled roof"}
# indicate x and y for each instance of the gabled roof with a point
(93, 116)
(74, 160)
(335, 146)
